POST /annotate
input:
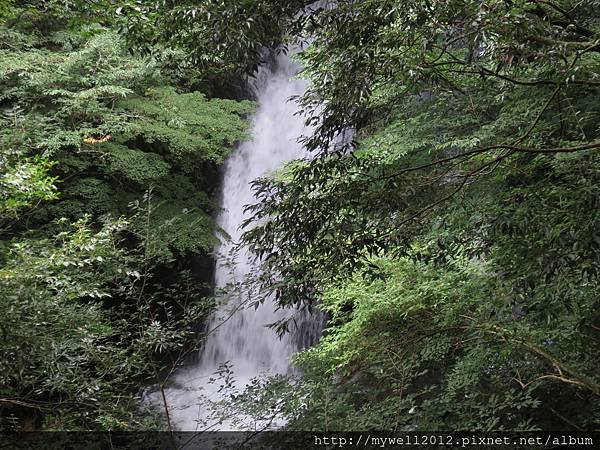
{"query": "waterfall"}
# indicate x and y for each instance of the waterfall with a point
(240, 336)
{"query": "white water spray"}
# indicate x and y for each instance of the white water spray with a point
(241, 338)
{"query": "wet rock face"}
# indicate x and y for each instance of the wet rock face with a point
(203, 269)
(309, 329)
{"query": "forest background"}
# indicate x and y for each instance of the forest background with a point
(453, 243)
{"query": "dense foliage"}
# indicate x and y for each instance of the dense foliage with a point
(453, 243)
(108, 167)
(446, 225)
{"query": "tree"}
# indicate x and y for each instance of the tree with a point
(106, 172)
(453, 241)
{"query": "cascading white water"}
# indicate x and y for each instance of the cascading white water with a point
(241, 338)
